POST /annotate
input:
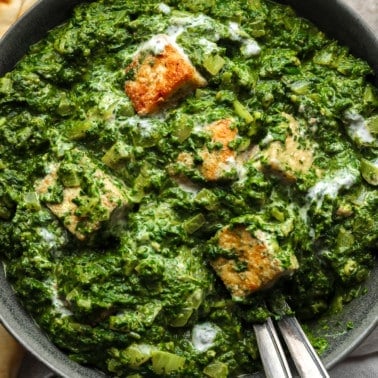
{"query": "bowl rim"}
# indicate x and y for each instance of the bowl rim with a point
(10, 309)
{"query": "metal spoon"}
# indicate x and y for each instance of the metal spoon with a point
(271, 352)
(303, 354)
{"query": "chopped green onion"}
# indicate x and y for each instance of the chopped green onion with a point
(216, 370)
(31, 201)
(165, 362)
(213, 63)
(372, 124)
(300, 87)
(69, 175)
(182, 318)
(137, 354)
(77, 129)
(195, 223)
(369, 171)
(207, 198)
(243, 112)
(118, 152)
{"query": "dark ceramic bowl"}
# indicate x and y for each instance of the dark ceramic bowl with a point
(330, 16)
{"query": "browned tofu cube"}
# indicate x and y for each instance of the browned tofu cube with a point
(257, 263)
(218, 161)
(111, 196)
(289, 159)
(163, 74)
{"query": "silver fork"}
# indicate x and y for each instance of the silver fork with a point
(301, 351)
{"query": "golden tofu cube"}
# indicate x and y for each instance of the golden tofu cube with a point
(256, 264)
(289, 159)
(218, 161)
(163, 74)
(109, 197)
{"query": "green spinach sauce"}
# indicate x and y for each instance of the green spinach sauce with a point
(133, 292)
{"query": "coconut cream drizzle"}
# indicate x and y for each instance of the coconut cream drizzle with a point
(357, 128)
(203, 336)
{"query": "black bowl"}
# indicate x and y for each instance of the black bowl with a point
(331, 16)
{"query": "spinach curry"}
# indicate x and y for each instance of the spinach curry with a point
(170, 172)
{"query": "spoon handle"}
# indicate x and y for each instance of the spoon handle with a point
(271, 351)
(303, 354)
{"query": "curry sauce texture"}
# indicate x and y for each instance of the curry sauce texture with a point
(171, 173)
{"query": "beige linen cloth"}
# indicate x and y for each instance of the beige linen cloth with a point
(361, 363)
(11, 10)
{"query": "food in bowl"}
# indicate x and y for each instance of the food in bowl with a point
(172, 171)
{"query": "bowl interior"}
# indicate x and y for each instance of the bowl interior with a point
(330, 16)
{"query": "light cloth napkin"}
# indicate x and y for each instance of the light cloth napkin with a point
(11, 10)
(362, 362)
